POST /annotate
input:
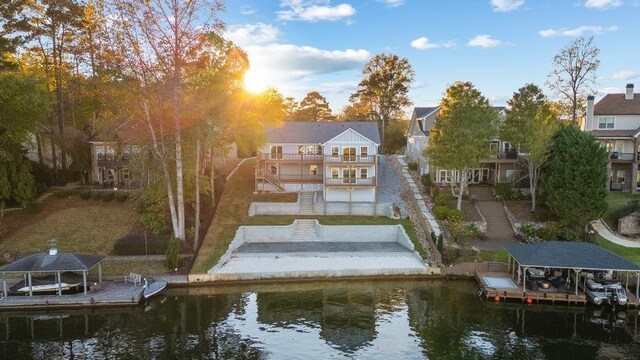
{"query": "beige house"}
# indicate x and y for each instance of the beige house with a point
(337, 158)
(502, 167)
(615, 121)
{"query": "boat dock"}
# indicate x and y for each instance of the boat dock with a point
(106, 294)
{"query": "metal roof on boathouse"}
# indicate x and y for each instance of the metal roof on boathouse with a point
(570, 255)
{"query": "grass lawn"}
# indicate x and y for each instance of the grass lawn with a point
(87, 229)
(631, 254)
(617, 201)
(146, 268)
(233, 211)
(275, 197)
(486, 256)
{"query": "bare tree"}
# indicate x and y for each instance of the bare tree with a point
(573, 76)
(165, 41)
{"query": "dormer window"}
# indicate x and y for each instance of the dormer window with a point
(606, 122)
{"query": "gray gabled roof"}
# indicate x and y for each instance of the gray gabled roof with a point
(304, 132)
(422, 111)
(569, 255)
(43, 262)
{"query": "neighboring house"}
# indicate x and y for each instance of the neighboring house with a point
(615, 121)
(110, 163)
(337, 158)
(501, 167)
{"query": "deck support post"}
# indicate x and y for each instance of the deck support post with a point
(100, 273)
(509, 263)
(524, 279)
(30, 285)
(84, 281)
(4, 284)
(59, 284)
(577, 272)
(637, 285)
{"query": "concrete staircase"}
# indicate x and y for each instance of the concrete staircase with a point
(305, 230)
(306, 203)
(498, 225)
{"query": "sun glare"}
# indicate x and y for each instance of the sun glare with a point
(255, 81)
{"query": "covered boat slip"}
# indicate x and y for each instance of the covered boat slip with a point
(52, 263)
(556, 271)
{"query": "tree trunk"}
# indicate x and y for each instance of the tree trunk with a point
(57, 65)
(196, 236)
(533, 183)
(212, 178)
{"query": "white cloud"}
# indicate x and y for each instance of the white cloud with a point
(423, 43)
(247, 10)
(579, 31)
(602, 4)
(392, 3)
(506, 5)
(612, 90)
(314, 10)
(625, 75)
(484, 41)
(250, 34)
(339, 87)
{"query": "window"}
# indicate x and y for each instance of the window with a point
(318, 150)
(444, 176)
(506, 146)
(606, 122)
(334, 173)
(335, 151)
(364, 151)
(300, 149)
(111, 173)
(100, 152)
(313, 169)
(349, 153)
(348, 176)
(509, 174)
(274, 169)
(110, 153)
(125, 174)
(363, 173)
(621, 176)
(276, 152)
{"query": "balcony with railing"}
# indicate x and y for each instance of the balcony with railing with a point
(619, 156)
(107, 159)
(315, 158)
(350, 181)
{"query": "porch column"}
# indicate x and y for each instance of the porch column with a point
(524, 279)
(577, 273)
(59, 284)
(84, 281)
(634, 175)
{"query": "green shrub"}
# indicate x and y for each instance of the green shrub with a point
(121, 196)
(528, 229)
(473, 230)
(95, 195)
(441, 212)
(107, 196)
(86, 195)
(156, 224)
(412, 165)
(569, 235)
(542, 213)
(455, 215)
(174, 260)
(34, 207)
(443, 198)
(426, 181)
(440, 243)
(551, 231)
(507, 192)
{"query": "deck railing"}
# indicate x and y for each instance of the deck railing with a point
(350, 181)
(337, 159)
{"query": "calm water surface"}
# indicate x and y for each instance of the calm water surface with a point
(333, 320)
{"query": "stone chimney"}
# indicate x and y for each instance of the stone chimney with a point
(589, 123)
(628, 95)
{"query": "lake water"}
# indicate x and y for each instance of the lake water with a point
(324, 320)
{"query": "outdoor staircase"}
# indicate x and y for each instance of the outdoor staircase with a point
(498, 225)
(306, 202)
(271, 179)
(305, 230)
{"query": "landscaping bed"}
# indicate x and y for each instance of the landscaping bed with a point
(617, 202)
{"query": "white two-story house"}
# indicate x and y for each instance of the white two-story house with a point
(615, 121)
(337, 158)
(503, 166)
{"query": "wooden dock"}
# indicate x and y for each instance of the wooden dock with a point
(106, 294)
(552, 297)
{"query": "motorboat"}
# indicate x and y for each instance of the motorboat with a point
(45, 288)
(153, 288)
(608, 292)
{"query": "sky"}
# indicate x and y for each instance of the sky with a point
(300, 46)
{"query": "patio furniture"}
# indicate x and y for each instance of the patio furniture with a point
(136, 279)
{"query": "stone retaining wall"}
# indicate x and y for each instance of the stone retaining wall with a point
(322, 208)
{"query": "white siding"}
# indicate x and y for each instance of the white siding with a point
(357, 195)
(622, 122)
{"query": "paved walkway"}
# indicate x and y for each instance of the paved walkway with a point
(389, 183)
(499, 230)
(603, 230)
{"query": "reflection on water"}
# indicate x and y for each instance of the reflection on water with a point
(384, 320)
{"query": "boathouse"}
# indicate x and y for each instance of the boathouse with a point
(52, 263)
(551, 271)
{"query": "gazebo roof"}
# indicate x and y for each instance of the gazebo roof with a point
(43, 262)
(569, 255)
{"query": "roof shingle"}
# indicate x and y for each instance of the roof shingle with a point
(301, 132)
(615, 104)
